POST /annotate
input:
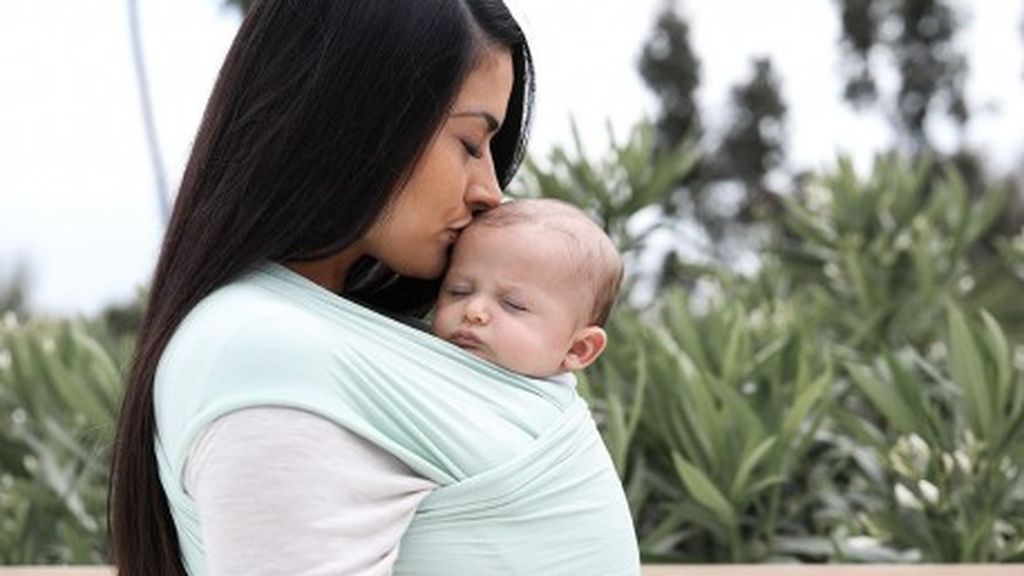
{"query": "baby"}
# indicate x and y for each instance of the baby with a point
(530, 285)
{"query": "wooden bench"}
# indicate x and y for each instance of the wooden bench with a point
(679, 570)
(836, 570)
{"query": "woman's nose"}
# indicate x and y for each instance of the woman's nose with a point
(484, 191)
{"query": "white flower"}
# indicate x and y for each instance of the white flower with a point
(966, 284)
(948, 463)
(861, 543)
(918, 447)
(819, 198)
(910, 456)
(937, 352)
(929, 491)
(758, 319)
(1008, 468)
(903, 242)
(963, 461)
(1004, 533)
(905, 498)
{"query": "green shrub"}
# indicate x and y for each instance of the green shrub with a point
(859, 398)
(59, 392)
(796, 413)
(883, 254)
(951, 448)
(725, 408)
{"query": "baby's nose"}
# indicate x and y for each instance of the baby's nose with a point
(476, 312)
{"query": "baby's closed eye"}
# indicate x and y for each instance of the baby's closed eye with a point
(457, 290)
(515, 305)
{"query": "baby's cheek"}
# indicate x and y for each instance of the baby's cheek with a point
(437, 323)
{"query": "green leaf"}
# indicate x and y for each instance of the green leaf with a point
(999, 351)
(736, 351)
(968, 371)
(805, 400)
(986, 212)
(883, 397)
(749, 463)
(704, 491)
(924, 421)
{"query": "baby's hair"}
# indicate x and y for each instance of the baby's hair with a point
(598, 263)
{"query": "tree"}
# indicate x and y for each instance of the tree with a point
(737, 158)
(242, 5)
(671, 69)
(14, 291)
(148, 119)
(919, 38)
(755, 142)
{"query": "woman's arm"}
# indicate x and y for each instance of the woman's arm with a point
(284, 491)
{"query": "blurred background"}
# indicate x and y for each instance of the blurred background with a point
(92, 87)
(818, 354)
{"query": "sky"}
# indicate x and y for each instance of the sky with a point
(77, 200)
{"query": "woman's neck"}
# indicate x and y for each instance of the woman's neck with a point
(329, 272)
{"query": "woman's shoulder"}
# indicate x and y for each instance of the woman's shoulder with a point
(239, 337)
(240, 345)
(244, 322)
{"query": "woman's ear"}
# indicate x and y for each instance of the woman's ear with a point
(587, 345)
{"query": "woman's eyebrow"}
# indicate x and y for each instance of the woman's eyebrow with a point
(492, 122)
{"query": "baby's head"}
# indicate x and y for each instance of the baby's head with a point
(530, 286)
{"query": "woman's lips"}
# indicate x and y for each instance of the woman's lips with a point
(458, 226)
(456, 229)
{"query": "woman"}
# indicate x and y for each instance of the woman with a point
(270, 425)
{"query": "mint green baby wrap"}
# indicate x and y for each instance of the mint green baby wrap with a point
(526, 485)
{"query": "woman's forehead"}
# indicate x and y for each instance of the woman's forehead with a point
(487, 87)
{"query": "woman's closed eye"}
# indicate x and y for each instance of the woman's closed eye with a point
(474, 150)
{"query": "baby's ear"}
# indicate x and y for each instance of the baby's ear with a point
(587, 345)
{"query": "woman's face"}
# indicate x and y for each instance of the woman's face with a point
(454, 178)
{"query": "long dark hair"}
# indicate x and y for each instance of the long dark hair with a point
(321, 110)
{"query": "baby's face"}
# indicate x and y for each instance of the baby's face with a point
(509, 298)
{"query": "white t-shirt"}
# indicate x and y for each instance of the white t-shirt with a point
(284, 491)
